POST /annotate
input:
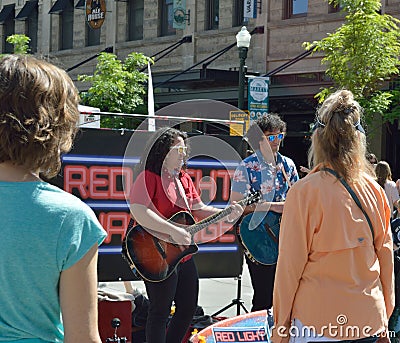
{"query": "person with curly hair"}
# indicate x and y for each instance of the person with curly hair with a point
(161, 189)
(272, 173)
(50, 238)
(334, 278)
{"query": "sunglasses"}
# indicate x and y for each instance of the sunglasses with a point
(181, 149)
(271, 138)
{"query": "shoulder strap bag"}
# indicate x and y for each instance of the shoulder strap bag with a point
(354, 196)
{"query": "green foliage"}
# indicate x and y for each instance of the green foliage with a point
(20, 42)
(362, 54)
(394, 111)
(116, 86)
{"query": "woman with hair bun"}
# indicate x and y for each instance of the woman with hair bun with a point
(334, 278)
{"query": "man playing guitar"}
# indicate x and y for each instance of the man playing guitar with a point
(271, 173)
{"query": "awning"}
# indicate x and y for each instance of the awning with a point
(81, 4)
(59, 6)
(7, 13)
(26, 11)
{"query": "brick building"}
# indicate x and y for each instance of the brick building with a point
(58, 30)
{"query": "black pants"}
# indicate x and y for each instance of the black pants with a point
(262, 279)
(182, 287)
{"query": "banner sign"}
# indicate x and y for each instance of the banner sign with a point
(95, 171)
(258, 96)
(239, 129)
(250, 9)
(179, 11)
(95, 13)
(240, 334)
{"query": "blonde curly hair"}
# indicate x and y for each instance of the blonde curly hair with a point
(38, 113)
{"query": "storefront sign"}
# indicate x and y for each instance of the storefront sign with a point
(250, 9)
(95, 172)
(179, 10)
(95, 13)
(258, 96)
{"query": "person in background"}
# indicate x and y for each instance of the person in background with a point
(334, 270)
(384, 178)
(371, 158)
(50, 238)
(272, 173)
(162, 189)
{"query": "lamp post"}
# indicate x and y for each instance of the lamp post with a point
(243, 42)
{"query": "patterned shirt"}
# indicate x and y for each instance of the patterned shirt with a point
(254, 173)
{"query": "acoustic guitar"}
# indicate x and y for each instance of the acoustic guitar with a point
(259, 234)
(155, 259)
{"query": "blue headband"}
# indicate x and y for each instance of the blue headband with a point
(357, 126)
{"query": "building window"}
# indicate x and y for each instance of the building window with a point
(237, 12)
(65, 9)
(31, 29)
(135, 19)
(29, 14)
(167, 18)
(212, 14)
(334, 8)
(296, 8)
(7, 15)
(67, 28)
(92, 36)
(9, 30)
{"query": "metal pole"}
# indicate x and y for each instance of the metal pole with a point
(242, 58)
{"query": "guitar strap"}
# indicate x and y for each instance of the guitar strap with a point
(271, 233)
(286, 176)
(267, 227)
(182, 192)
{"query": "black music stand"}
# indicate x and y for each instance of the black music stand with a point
(238, 301)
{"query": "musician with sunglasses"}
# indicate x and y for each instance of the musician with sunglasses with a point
(271, 173)
(161, 190)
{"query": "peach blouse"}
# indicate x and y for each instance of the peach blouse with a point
(331, 274)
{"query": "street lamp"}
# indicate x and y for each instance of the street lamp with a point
(243, 43)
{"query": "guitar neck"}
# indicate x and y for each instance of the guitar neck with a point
(212, 219)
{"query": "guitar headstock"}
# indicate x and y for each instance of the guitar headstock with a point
(252, 197)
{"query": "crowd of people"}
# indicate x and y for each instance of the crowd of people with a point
(335, 256)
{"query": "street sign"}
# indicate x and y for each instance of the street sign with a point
(258, 96)
(239, 129)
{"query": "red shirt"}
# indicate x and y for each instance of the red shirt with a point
(160, 193)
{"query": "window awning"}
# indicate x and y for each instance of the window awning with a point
(7, 13)
(81, 4)
(26, 11)
(59, 6)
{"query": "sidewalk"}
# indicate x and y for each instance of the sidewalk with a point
(214, 295)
